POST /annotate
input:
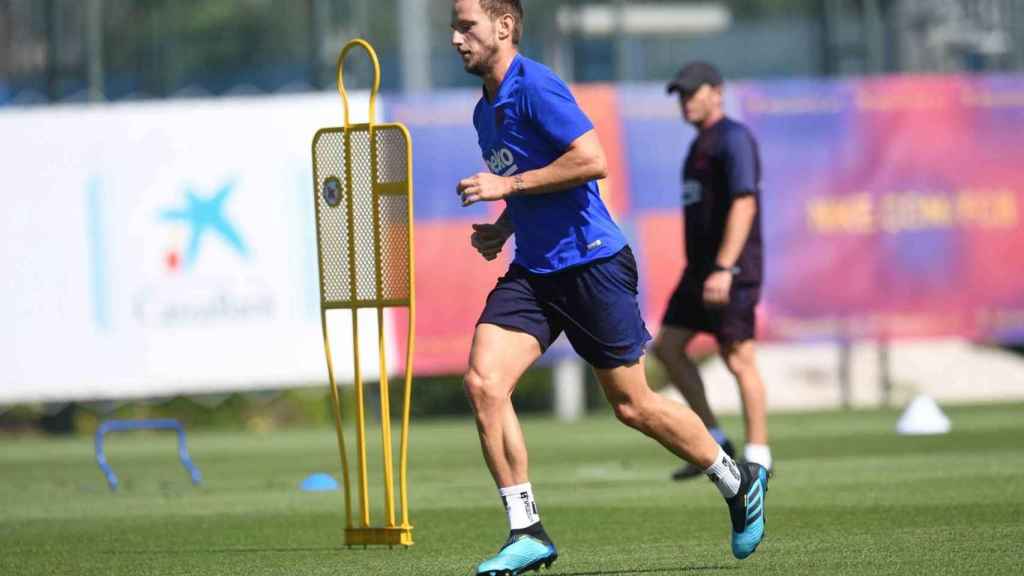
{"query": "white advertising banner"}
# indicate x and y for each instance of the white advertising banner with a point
(164, 248)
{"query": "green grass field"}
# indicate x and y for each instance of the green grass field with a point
(850, 497)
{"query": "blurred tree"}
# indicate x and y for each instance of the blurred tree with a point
(162, 47)
(166, 45)
(751, 9)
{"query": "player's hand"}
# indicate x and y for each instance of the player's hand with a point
(483, 187)
(716, 288)
(488, 239)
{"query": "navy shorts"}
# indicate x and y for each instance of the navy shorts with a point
(594, 303)
(731, 324)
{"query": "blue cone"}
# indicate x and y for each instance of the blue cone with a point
(319, 482)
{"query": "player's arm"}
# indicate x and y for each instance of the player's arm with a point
(583, 161)
(488, 239)
(737, 228)
(548, 105)
(741, 161)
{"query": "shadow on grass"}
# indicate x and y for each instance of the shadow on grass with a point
(251, 550)
(673, 570)
(224, 550)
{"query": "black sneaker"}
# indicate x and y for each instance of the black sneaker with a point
(688, 470)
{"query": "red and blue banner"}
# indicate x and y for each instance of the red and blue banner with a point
(892, 207)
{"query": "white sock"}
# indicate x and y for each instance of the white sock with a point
(759, 453)
(725, 474)
(520, 506)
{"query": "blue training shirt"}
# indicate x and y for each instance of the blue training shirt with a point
(531, 123)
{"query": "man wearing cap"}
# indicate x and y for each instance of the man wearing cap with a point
(721, 284)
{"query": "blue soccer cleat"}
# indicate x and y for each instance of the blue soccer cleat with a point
(746, 509)
(521, 553)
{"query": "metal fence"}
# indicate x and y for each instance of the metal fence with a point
(76, 50)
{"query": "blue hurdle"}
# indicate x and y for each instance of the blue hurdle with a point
(159, 424)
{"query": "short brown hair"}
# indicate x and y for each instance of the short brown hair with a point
(498, 8)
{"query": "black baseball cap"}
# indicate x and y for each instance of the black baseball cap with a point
(691, 77)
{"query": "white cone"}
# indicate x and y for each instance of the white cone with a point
(923, 416)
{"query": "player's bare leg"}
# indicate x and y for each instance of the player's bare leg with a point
(498, 358)
(675, 426)
(741, 360)
(678, 428)
(670, 349)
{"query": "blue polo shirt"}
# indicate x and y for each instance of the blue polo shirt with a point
(531, 123)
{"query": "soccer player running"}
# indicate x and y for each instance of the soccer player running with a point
(572, 272)
(721, 284)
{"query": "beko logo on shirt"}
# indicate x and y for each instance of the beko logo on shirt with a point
(502, 162)
(692, 192)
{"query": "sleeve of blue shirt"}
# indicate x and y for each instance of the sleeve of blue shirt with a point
(740, 163)
(550, 106)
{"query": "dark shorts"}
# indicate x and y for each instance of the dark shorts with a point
(595, 304)
(733, 323)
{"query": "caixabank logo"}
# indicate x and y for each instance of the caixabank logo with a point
(208, 275)
(204, 217)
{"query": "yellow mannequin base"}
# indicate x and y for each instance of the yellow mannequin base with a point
(397, 536)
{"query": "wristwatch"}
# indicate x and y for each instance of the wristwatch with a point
(734, 270)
